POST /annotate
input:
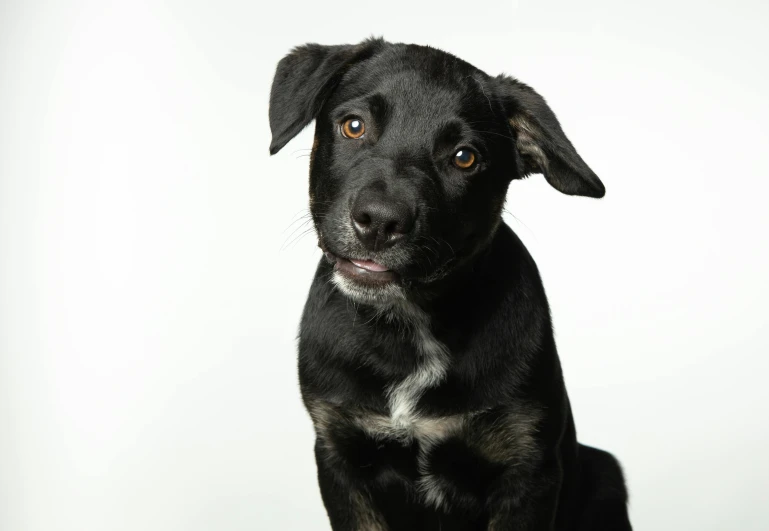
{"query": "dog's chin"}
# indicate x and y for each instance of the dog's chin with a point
(375, 294)
(365, 281)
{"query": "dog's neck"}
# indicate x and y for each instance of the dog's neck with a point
(462, 279)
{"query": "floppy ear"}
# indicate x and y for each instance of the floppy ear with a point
(542, 144)
(304, 79)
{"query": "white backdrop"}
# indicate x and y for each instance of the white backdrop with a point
(151, 279)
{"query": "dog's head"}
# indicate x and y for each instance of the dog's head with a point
(414, 150)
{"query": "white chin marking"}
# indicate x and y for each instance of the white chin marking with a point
(375, 295)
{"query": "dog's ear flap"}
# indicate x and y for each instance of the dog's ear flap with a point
(542, 144)
(304, 79)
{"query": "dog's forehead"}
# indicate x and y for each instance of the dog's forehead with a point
(417, 79)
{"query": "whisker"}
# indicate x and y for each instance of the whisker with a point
(299, 237)
(304, 218)
(517, 219)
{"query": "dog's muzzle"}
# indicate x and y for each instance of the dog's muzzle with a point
(362, 271)
(380, 222)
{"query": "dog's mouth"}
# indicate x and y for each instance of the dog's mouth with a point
(362, 271)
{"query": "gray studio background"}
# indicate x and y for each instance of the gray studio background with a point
(152, 271)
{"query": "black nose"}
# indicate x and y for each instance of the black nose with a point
(380, 222)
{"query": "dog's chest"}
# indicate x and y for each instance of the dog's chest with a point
(368, 444)
(424, 431)
(442, 458)
(431, 369)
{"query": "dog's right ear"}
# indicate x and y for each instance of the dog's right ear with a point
(303, 81)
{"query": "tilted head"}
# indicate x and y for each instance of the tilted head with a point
(414, 150)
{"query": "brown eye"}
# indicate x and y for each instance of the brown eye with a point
(353, 128)
(464, 159)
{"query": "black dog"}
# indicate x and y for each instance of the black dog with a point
(426, 354)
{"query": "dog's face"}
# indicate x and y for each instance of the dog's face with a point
(414, 151)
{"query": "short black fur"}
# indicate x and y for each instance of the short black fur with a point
(426, 354)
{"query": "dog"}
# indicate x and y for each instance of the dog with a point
(427, 360)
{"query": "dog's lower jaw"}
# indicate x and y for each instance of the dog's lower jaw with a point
(371, 294)
(419, 290)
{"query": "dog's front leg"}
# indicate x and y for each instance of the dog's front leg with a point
(349, 506)
(526, 504)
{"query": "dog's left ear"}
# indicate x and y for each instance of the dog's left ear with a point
(541, 143)
(303, 81)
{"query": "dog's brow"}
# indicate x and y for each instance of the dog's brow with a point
(379, 107)
(450, 133)
(459, 132)
(356, 106)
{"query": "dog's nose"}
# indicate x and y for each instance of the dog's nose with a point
(380, 223)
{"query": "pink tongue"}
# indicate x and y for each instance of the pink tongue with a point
(369, 265)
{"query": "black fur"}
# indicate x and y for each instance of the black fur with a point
(488, 442)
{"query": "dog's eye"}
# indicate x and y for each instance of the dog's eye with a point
(353, 128)
(464, 159)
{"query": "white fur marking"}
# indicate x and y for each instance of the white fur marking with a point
(367, 295)
(404, 423)
(432, 369)
(433, 492)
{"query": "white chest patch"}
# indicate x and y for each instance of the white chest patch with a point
(427, 430)
(431, 370)
(404, 422)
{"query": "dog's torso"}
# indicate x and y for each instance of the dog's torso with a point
(445, 406)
